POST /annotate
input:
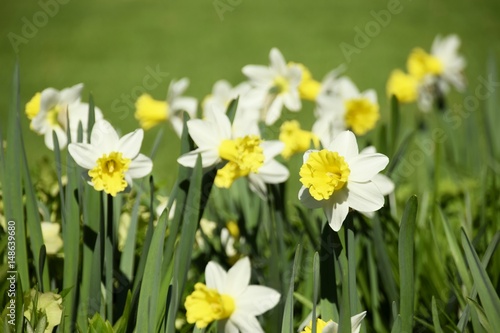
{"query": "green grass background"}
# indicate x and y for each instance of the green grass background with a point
(108, 45)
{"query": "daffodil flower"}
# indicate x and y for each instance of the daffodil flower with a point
(228, 298)
(296, 140)
(338, 178)
(49, 303)
(223, 93)
(151, 112)
(112, 161)
(332, 327)
(241, 148)
(51, 109)
(51, 237)
(279, 83)
(345, 107)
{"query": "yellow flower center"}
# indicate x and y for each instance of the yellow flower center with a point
(323, 173)
(56, 117)
(295, 139)
(280, 85)
(361, 115)
(320, 325)
(421, 63)
(150, 112)
(33, 106)
(403, 86)
(233, 229)
(308, 88)
(206, 305)
(109, 173)
(244, 155)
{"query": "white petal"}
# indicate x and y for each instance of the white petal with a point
(356, 322)
(384, 184)
(84, 154)
(331, 327)
(368, 150)
(229, 327)
(177, 88)
(371, 95)
(188, 104)
(347, 88)
(257, 185)
(104, 137)
(274, 110)
(273, 172)
(72, 94)
(246, 323)
(130, 144)
(238, 277)
(307, 200)
(256, 300)
(140, 166)
(364, 197)
(62, 138)
(336, 212)
(272, 148)
(260, 75)
(292, 100)
(209, 157)
(345, 144)
(277, 61)
(48, 99)
(177, 125)
(364, 166)
(215, 276)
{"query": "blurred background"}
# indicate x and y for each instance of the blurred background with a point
(111, 46)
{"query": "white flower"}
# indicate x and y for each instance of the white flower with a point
(446, 50)
(49, 304)
(112, 161)
(341, 106)
(151, 112)
(241, 147)
(339, 177)
(50, 110)
(223, 93)
(279, 83)
(332, 327)
(228, 298)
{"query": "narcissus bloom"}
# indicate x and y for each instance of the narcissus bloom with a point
(49, 303)
(279, 84)
(151, 112)
(240, 148)
(51, 237)
(332, 327)
(309, 88)
(403, 86)
(223, 93)
(112, 161)
(59, 111)
(338, 177)
(228, 298)
(296, 140)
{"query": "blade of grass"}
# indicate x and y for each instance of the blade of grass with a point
(287, 323)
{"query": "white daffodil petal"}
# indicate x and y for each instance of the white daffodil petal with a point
(384, 184)
(257, 185)
(62, 138)
(72, 94)
(256, 300)
(292, 100)
(48, 99)
(277, 61)
(246, 323)
(84, 155)
(308, 201)
(215, 276)
(345, 144)
(238, 277)
(364, 166)
(272, 149)
(177, 88)
(209, 157)
(273, 172)
(336, 214)
(140, 166)
(364, 197)
(202, 133)
(228, 327)
(356, 322)
(188, 104)
(274, 111)
(257, 73)
(331, 327)
(130, 144)
(104, 137)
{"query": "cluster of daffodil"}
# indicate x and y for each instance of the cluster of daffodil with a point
(429, 74)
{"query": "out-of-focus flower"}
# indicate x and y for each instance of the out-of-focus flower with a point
(279, 83)
(345, 107)
(244, 152)
(228, 298)
(403, 86)
(223, 93)
(332, 327)
(296, 140)
(48, 303)
(112, 161)
(59, 111)
(51, 237)
(309, 88)
(151, 112)
(339, 177)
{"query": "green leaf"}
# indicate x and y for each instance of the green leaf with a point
(435, 317)
(231, 109)
(316, 274)
(487, 293)
(287, 323)
(406, 267)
